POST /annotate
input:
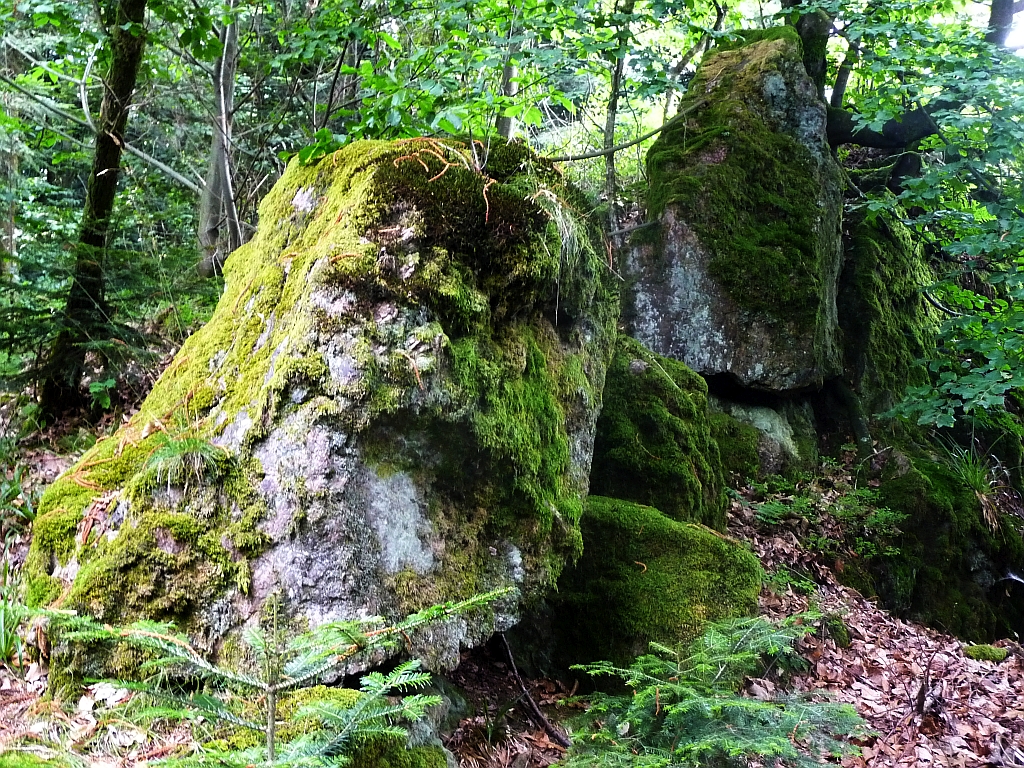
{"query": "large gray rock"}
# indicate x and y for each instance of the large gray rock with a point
(739, 276)
(394, 405)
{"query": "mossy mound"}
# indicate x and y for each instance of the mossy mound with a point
(742, 279)
(644, 577)
(887, 324)
(392, 406)
(653, 442)
(950, 567)
(986, 653)
(737, 445)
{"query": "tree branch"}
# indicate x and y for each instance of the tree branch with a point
(628, 144)
(54, 109)
(895, 134)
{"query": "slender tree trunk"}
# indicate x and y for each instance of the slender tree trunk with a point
(506, 126)
(618, 68)
(609, 141)
(219, 229)
(843, 76)
(86, 313)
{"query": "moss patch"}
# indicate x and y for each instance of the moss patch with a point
(653, 443)
(986, 653)
(747, 189)
(745, 37)
(949, 562)
(737, 445)
(644, 577)
(392, 753)
(887, 325)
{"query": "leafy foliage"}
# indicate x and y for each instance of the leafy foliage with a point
(683, 708)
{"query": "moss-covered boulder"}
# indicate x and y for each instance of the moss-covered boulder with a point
(887, 323)
(654, 444)
(739, 277)
(393, 405)
(644, 577)
(951, 566)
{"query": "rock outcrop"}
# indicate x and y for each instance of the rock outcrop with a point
(654, 443)
(393, 405)
(739, 275)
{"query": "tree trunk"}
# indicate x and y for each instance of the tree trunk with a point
(86, 313)
(219, 230)
(1001, 19)
(506, 125)
(609, 141)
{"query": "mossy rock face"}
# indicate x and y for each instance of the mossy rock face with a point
(738, 445)
(393, 405)
(654, 444)
(950, 569)
(887, 324)
(740, 278)
(644, 577)
(783, 437)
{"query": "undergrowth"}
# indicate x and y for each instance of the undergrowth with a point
(270, 708)
(684, 708)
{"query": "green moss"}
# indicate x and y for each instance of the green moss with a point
(836, 628)
(161, 566)
(748, 191)
(55, 531)
(737, 445)
(887, 325)
(745, 37)
(653, 444)
(986, 653)
(644, 577)
(393, 753)
(42, 591)
(949, 558)
(14, 758)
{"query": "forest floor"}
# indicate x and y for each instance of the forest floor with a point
(926, 703)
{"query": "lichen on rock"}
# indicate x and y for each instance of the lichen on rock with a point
(401, 382)
(741, 277)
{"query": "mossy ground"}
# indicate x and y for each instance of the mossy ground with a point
(986, 653)
(644, 577)
(653, 442)
(746, 189)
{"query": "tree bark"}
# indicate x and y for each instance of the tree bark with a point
(609, 141)
(86, 313)
(219, 230)
(1001, 19)
(505, 125)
